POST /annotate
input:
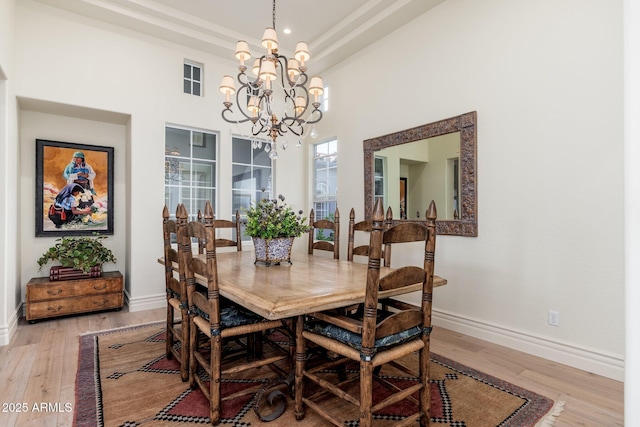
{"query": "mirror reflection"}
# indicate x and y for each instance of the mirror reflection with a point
(409, 176)
(436, 161)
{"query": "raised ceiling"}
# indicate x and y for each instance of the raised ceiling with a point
(334, 29)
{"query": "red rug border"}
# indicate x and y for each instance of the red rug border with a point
(88, 377)
(533, 410)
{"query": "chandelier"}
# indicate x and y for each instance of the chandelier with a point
(276, 101)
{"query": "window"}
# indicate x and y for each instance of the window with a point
(325, 179)
(193, 78)
(252, 171)
(324, 99)
(189, 169)
(379, 184)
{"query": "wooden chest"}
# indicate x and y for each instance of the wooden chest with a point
(47, 299)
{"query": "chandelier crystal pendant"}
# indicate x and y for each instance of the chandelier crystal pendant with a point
(277, 101)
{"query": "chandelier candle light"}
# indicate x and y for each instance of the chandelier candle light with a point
(279, 80)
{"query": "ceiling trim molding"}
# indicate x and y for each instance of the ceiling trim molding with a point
(340, 39)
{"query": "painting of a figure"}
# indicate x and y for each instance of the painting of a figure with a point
(74, 186)
(403, 198)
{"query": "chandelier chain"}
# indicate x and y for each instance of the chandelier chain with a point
(274, 14)
(279, 82)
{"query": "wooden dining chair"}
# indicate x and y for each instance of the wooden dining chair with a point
(224, 241)
(331, 227)
(216, 321)
(227, 242)
(177, 328)
(364, 226)
(374, 339)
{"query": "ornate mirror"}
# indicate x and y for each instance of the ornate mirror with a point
(435, 161)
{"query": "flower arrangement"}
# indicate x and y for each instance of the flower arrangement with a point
(272, 218)
(78, 252)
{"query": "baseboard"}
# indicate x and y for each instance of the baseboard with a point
(7, 331)
(146, 303)
(597, 362)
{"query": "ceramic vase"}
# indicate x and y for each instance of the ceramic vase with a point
(273, 251)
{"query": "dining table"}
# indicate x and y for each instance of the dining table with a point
(289, 290)
(308, 284)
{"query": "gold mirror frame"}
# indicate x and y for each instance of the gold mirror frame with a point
(467, 224)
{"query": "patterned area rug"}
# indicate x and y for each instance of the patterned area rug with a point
(124, 379)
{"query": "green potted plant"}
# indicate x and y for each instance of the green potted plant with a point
(84, 254)
(273, 225)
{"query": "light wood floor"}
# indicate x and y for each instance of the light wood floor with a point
(40, 363)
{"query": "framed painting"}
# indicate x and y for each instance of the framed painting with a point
(74, 189)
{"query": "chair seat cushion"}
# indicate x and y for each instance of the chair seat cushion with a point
(231, 316)
(355, 340)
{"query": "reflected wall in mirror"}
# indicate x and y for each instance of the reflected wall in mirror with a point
(425, 169)
(436, 161)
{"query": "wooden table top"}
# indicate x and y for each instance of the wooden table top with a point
(311, 283)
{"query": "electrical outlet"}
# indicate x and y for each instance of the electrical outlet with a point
(554, 318)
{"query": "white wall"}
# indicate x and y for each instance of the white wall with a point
(9, 244)
(547, 86)
(37, 125)
(545, 78)
(83, 64)
(88, 65)
(7, 8)
(632, 211)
